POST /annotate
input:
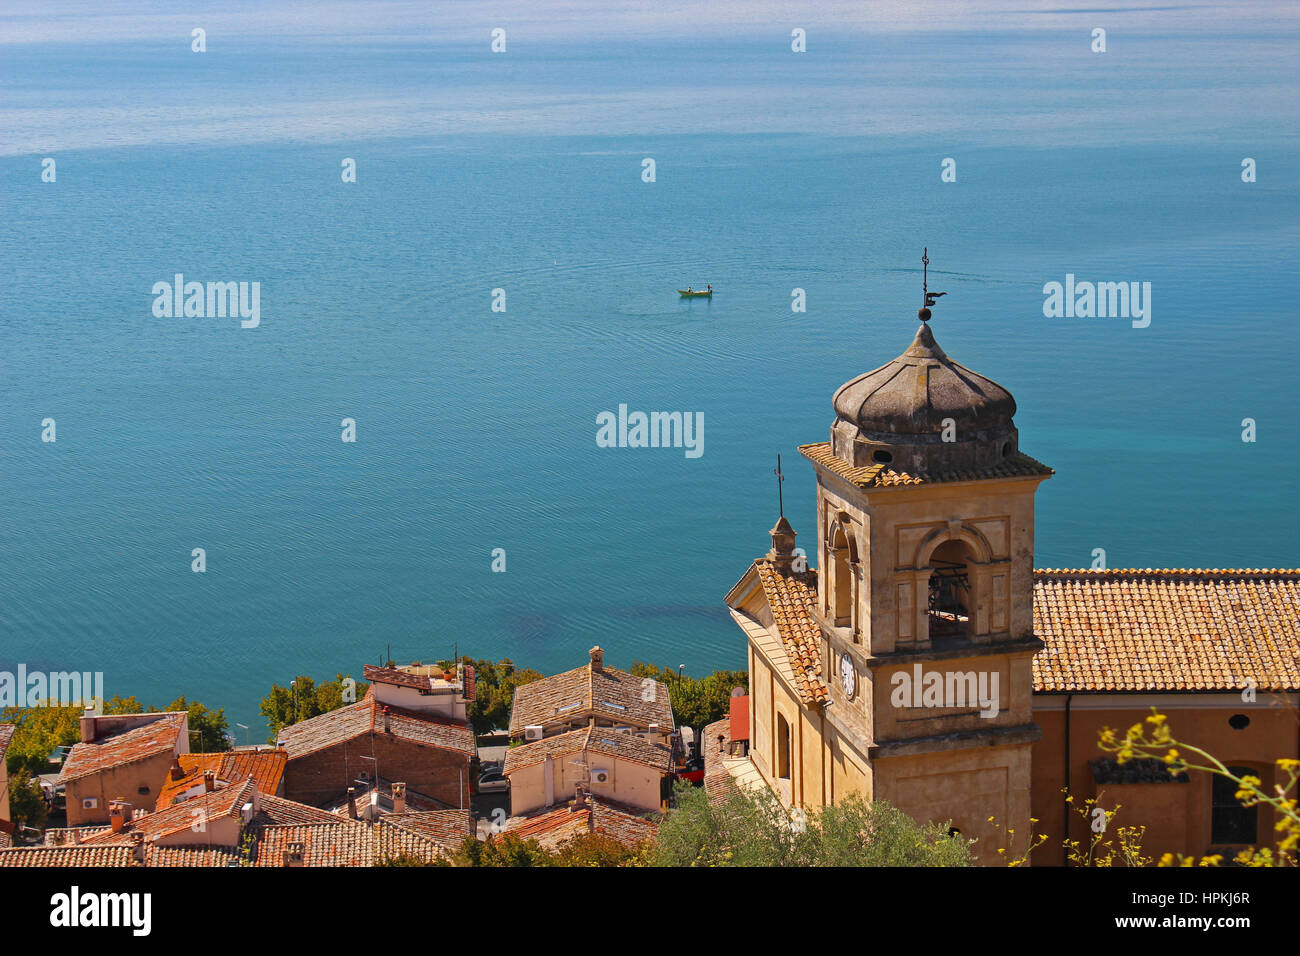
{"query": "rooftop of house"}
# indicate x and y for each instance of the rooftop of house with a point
(592, 690)
(6, 738)
(368, 716)
(178, 818)
(266, 767)
(146, 739)
(599, 740)
(425, 836)
(426, 677)
(81, 855)
(1167, 630)
(552, 828)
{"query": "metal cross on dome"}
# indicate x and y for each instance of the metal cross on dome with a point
(929, 296)
(780, 496)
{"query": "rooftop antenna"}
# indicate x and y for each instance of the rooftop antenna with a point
(780, 494)
(924, 313)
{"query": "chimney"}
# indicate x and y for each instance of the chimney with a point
(88, 726)
(399, 798)
(177, 770)
(579, 799)
(387, 723)
(209, 781)
(652, 733)
(597, 659)
(119, 815)
(352, 802)
(137, 846)
(294, 854)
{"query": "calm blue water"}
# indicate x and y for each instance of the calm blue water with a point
(522, 171)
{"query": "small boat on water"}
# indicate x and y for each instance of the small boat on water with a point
(692, 294)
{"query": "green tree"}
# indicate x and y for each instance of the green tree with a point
(752, 828)
(495, 684)
(696, 702)
(208, 728)
(27, 805)
(40, 730)
(284, 706)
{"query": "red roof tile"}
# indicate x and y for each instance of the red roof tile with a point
(128, 746)
(266, 767)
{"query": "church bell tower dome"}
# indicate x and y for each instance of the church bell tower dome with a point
(923, 413)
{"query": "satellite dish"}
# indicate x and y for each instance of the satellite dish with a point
(737, 692)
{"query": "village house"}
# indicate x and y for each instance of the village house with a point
(585, 814)
(409, 727)
(188, 774)
(121, 756)
(591, 694)
(925, 661)
(593, 727)
(6, 814)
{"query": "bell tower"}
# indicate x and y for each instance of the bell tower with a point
(925, 539)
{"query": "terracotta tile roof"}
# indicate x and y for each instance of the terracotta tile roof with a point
(426, 836)
(716, 776)
(401, 678)
(882, 476)
(82, 855)
(608, 693)
(226, 802)
(598, 740)
(127, 746)
(1167, 630)
(277, 811)
(423, 832)
(792, 598)
(191, 855)
(365, 717)
(553, 828)
(343, 843)
(6, 738)
(266, 767)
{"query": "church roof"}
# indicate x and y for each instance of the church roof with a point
(1167, 630)
(916, 392)
(883, 476)
(792, 596)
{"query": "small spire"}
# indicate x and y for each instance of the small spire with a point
(782, 553)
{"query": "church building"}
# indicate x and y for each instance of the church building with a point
(924, 661)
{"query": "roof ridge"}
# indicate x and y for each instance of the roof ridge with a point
(1222, 572)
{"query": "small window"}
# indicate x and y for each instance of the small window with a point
(1230, 822)
(143, 791)
(882, 457)
(1238, 721)
(1006, 450)
(954, 831)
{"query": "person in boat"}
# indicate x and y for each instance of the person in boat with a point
(710, 287)
(688, 288)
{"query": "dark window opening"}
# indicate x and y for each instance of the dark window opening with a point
(1230, 822)
(1006, 450)
(950, 593)
(954, 831)
(882, 457)
(1238, 721)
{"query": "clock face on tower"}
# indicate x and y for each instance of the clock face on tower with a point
(848, 677)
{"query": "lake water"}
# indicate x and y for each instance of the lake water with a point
(522, 171)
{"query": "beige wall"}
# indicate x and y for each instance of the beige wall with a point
(1178, 816)
(119, 783)
(5, 813)
(631, 783)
